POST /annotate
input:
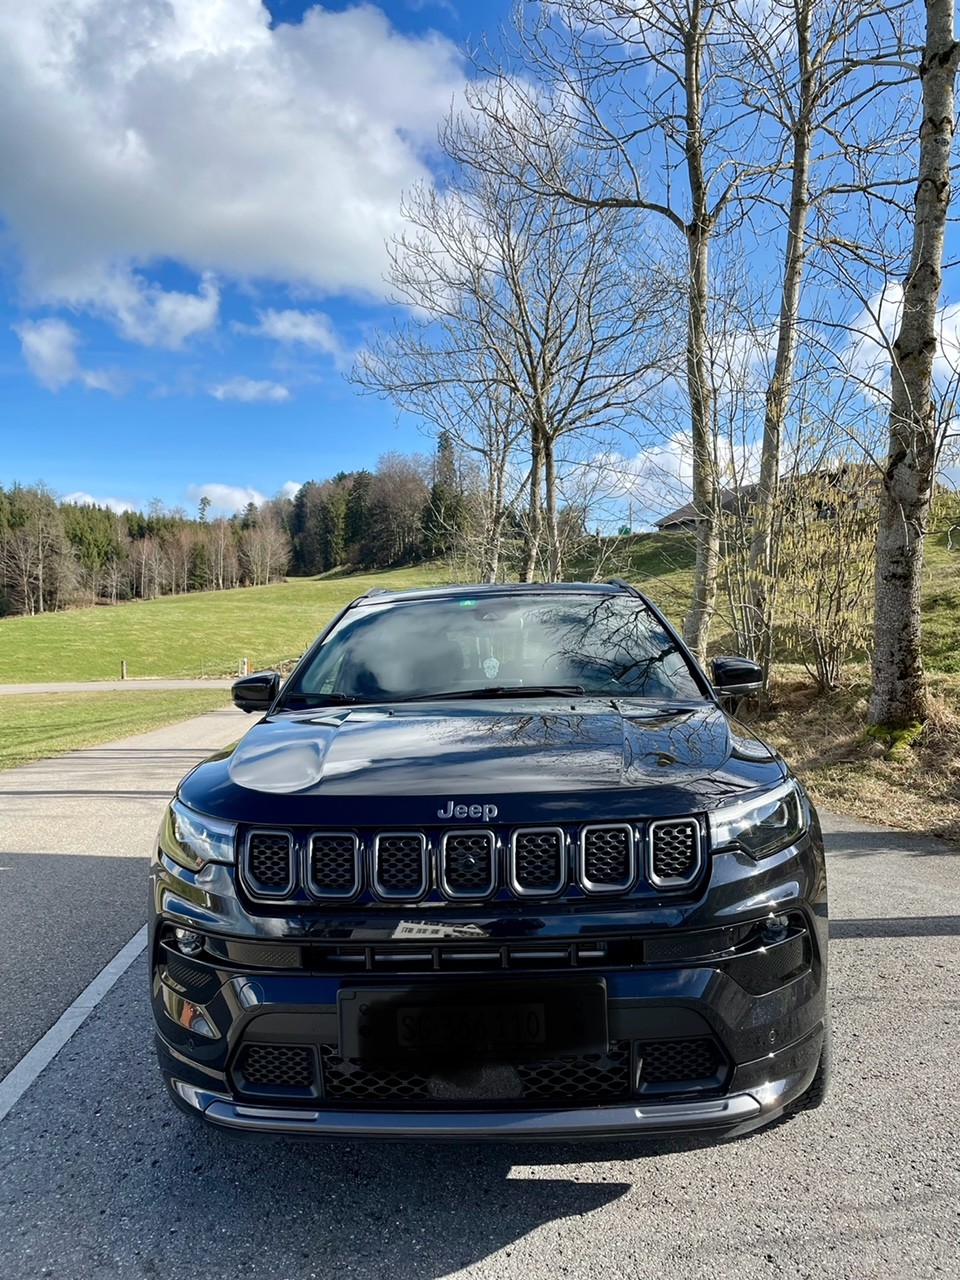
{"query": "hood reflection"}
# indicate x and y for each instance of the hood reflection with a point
(417, 749)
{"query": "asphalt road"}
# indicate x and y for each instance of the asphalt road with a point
(100, 1178)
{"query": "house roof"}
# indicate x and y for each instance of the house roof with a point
(731, 500)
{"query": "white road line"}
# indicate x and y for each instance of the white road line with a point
(19, 1080)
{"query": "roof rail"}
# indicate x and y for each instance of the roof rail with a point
(623, 585)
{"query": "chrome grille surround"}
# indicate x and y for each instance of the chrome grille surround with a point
(598, 856)
(673, 843)
(395, 854)
(479, 881)
(269, 861)
(343, 849)
(530, 846)
(602, 859)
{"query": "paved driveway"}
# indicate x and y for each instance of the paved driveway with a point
(100, 1178)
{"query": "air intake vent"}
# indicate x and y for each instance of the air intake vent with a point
(674, 852)
(334, 865)
(278, 1070)
(270, 863)
(607, 863)
(678, 1061)
(400, 864)
(467, 866)
(538, 862)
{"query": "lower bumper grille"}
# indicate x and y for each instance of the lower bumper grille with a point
(626, 1070)
(277, 1069)
(594, 1078)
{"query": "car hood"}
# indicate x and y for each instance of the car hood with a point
(336, 758)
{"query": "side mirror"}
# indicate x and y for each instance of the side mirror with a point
(736, 677)
(256, 692)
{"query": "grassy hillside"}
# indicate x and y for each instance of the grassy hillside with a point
(202, 634)
(206, 634)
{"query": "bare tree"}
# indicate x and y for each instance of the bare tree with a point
(645, 95)
(527, 322)
(899, 695)
(37, 562)
(813, 66)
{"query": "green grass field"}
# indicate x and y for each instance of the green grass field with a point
(206, 634)
(203, 634)
(37, 726)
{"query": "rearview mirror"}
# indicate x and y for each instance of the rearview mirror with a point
(736, 677)
(256, 692)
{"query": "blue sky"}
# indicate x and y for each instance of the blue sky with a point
(193, 213)
(194, 205)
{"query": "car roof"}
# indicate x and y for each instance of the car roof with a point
(458, 591)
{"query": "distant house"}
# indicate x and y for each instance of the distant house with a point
(822, 492)
(733, 502)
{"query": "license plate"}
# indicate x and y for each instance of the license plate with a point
(470, 1022)
(484, 1027)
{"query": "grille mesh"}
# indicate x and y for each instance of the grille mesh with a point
(589, 1078)
(269, 859)
(277, 1066)
(675, 850)
(538, 861)
(333, 864)
(400, 864)
(468, 862)
(199, 982)
(669, 1061)
(596, 1077)
(346, 1079)
(606, 856)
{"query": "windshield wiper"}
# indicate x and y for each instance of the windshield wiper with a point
(498, 691)
(295, 700)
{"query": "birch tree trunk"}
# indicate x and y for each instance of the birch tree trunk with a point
(706, 498)
(777, 394)
(899, 696)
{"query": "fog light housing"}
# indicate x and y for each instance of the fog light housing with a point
(188, 942)
(775, 929)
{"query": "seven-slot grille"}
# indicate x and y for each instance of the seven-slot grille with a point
(674, 852)
(471, 865)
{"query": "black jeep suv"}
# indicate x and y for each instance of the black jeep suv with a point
(495, 863)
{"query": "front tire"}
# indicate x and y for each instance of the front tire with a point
(820, 1084)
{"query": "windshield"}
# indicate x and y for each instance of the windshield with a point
(496, 645)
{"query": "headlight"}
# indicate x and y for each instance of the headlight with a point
(192, 840)
(761, 826)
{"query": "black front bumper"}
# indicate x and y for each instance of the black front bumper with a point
(717, 986)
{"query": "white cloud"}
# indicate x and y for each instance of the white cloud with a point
(50, 350)
(311, 329)
(119, 505)
(250, 391)
(868, 354)
(659, 479)
(654, 481)
(291, 489)
(225, 498)
(142, 131)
